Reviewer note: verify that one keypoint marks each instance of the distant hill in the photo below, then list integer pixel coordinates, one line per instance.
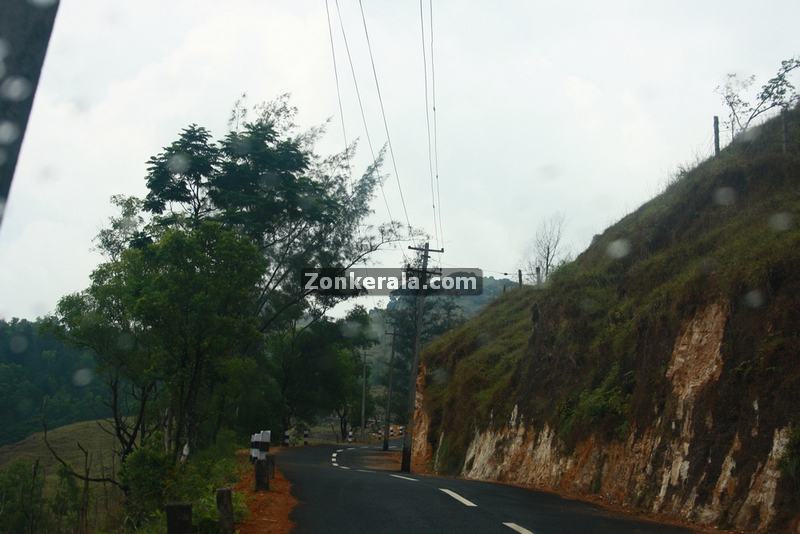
(35, 366)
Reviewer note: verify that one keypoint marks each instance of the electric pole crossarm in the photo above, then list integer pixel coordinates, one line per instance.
(426, 250)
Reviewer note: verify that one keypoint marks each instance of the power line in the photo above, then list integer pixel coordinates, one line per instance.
(428, 120)
(360, 104)
(383, 115)
(338, 93)
(435, 129)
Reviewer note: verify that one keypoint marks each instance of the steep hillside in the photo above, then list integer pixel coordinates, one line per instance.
(660, 370)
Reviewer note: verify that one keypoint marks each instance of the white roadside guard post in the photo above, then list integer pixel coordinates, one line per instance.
(261, 467)
(254, 447)
(350, 436)
(285, 438)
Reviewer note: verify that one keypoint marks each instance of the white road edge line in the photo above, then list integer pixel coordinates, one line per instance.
(458, 497)
(339, 450)
(515, 527)
(343, 467)
(404, 478)
(333, 455)
(364, 471)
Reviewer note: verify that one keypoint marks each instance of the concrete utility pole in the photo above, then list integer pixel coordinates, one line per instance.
(408, 436)
(364, 397)
(716, 135)
(388, 395)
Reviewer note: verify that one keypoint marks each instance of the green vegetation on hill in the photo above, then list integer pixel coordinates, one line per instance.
(587, 353)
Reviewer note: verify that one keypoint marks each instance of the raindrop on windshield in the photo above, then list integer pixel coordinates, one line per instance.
(754, 298)
(18, 344)
(178, 163)
(15, 88)
(724, 196)
(619, 248)
(82, 377)
(781, 221)
(42, 3)
(9, 132)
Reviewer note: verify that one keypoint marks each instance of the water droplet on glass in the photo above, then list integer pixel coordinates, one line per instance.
(15, 88)
(24, 407)
(42, 3)
(5, 48)
(268, 179)
(588, 305)
(548, 172)
(724, 196)
(18, 344)
(241, 146)
(82, 377)
(619, 248)
(178, 163)
(754, 298)
(707, 265)
(781, 221)
(9, 132)
(125, 341)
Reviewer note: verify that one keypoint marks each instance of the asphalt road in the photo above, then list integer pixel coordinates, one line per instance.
(340, 490)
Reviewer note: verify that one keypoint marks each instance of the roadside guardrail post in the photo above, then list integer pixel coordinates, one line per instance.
(225, 510)
(261, 475)
(179, 518)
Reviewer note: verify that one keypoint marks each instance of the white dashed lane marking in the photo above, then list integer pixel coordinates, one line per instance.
(515, 527)
(466, 502)
(459, 498)
(404, 478)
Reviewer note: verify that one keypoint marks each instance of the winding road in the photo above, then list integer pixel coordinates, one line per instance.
(340, 489)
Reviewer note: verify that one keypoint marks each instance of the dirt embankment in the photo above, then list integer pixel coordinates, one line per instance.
(268, 510)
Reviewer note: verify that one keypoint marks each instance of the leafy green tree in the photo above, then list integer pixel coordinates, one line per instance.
(178, 178)
(165, 321)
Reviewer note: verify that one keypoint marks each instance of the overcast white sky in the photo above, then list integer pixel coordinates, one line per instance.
(582, 108)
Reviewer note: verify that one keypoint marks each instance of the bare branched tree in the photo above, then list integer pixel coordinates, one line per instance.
(546, 250)
(778, 92)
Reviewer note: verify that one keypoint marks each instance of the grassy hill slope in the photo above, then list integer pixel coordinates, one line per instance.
(64, 440)
(588, 353)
